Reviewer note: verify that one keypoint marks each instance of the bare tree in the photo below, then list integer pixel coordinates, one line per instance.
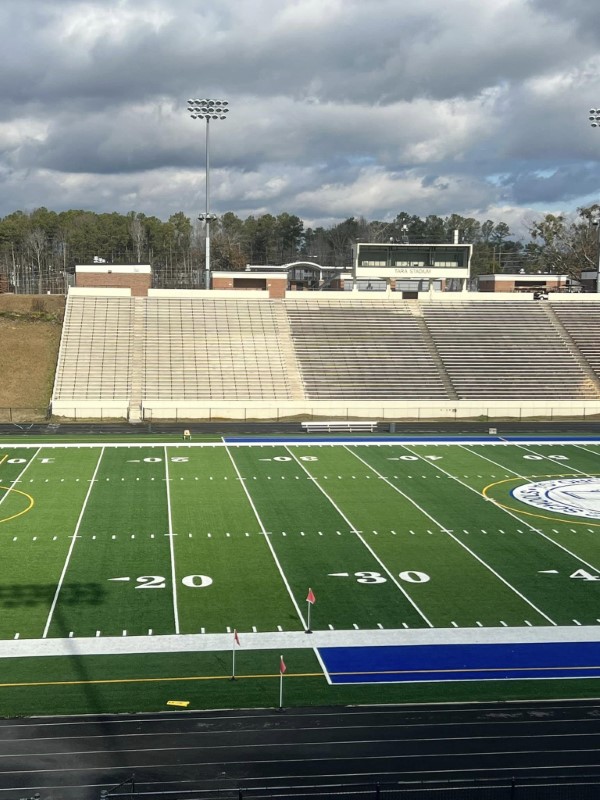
(137, 231)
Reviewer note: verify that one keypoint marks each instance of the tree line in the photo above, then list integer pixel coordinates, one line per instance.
(39, 249)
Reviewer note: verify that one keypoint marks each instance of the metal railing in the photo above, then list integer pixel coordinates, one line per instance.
(580, 787)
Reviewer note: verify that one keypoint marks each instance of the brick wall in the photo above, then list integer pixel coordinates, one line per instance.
(275, 286)
(138, 283)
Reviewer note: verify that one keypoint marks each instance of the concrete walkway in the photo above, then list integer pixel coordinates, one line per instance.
(290, 640)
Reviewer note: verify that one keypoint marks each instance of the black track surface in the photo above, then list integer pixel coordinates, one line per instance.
(452, 428)
(264, 753)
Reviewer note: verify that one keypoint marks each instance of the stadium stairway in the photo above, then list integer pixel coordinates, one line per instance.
(137, 359)
(563, 333)
(288, 351)
(416, 310)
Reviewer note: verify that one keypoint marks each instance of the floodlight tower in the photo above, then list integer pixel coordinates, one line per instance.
(208, 109)
(594, 119)
(596, 223)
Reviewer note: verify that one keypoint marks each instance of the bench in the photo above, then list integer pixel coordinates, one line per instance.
(334, 426)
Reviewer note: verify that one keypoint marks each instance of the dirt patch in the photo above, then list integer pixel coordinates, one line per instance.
(47, 307)
(28, 354)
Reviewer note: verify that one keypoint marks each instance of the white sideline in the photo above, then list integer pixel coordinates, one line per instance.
(291, 640)
(294, 439)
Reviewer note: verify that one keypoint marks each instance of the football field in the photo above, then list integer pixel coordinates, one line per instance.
(440, 543)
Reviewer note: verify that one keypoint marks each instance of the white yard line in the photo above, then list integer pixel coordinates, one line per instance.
(522, 446)
(268, 541)
(592, 452)
(20, 475)
(171, 544)
(298, 640)
(354, 530)
(71, 546)
(451, 535)
(532, 528)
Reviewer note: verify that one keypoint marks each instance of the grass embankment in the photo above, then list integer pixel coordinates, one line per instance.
(30, 328)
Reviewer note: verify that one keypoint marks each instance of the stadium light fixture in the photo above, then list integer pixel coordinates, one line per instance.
(596, 223)
(594, 117)
(208, 110)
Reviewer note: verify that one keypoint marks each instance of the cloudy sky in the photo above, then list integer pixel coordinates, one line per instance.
(339, 108)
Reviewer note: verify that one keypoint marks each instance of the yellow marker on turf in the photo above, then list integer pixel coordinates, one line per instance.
(25, 510)
(183, 703)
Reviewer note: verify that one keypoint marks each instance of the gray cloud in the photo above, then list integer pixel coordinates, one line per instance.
(338, 108)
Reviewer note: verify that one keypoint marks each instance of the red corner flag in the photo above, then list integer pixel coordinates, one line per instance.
(311, 597)
(236, 638)
(282, 666)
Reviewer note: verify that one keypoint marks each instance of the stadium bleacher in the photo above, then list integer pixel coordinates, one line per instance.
(362, 350)
(323, 348)
(504, 349)
(94, 360)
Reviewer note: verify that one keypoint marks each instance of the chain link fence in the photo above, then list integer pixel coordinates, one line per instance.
(23, 416)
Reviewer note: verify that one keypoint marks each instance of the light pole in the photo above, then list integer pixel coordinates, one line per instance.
(596, 225)
(594, 117)
(207, 110)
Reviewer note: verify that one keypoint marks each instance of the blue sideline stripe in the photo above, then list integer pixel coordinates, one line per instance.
(325, 438)
(461, 662)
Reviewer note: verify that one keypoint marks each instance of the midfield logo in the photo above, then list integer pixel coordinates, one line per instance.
(578, 497)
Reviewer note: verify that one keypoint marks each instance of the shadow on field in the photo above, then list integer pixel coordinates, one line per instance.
(92, 701)
(16, 595)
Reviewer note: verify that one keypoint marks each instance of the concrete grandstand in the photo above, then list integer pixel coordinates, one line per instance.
(239, 354)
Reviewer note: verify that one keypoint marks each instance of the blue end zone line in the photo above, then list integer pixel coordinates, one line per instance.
(461, 662)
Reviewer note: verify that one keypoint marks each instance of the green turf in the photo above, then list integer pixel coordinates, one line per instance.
(161, 538)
